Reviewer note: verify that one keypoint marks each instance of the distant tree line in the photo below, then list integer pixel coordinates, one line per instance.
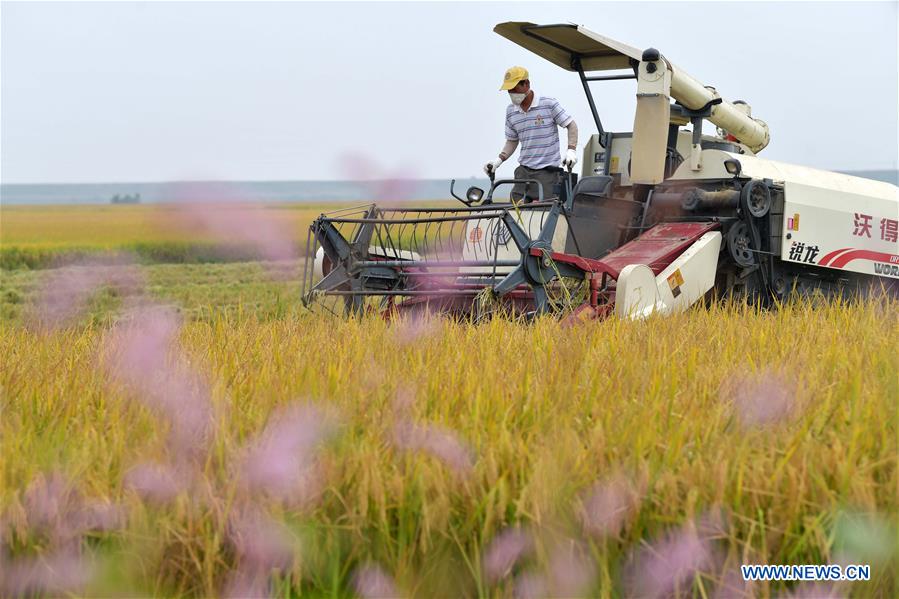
(126, 199)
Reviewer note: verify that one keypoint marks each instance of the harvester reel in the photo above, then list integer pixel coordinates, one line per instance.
(757, 198)
(739, 240)
(534, 270)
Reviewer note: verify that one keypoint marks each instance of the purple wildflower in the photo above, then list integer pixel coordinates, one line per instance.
(668, 566)
(404, 400)
(155, 483)
(138, 356)
(732, 586)
(571, 569)
(280, 461)
(48, 500)
(199, 210)
(608, 506)
(64, 292)
(100, 516)
(504, 551)
(247, 585)
(370, 581)
(531, 585)
(437, 441)
(263, 544)
(764, 399)
(59, 573)
(414, 328)
(386, 187)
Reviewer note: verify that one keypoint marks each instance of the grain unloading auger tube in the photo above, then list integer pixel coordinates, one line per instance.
(658, 217)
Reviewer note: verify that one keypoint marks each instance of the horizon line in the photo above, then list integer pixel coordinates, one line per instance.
(165, 181)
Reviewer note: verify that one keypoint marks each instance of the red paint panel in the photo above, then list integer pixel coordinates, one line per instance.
(658, 247)
(828, 257)
(585, 264)
(863, 255)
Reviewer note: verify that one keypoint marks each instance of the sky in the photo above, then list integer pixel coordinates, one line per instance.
(140, 92)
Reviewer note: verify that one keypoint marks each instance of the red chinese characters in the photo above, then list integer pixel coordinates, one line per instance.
(889, 229)
(862, 225)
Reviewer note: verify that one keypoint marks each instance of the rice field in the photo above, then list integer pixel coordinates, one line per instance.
(35, 237)
(113, 226)
(190, 431)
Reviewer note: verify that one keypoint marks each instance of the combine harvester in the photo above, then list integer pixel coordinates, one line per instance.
(659, 218)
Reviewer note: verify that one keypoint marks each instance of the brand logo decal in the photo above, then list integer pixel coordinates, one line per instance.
(501, 234)
(890, 270)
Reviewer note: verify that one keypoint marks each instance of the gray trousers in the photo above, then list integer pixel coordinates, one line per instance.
(547, 178)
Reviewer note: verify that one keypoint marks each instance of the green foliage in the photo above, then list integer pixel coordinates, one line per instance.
(162, 252)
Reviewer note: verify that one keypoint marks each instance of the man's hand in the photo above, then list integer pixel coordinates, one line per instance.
(570, 159)
(491, 167)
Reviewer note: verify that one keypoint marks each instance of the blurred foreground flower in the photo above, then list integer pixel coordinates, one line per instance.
(571, 569)
(415, 327)
(246, 585)
(386, 187)
(100, 516)
(370, 581)
(667, 567)
(262, 543)
(56, 517)
(531, 585)
(732, 586)
(207, 210)
(54, 510)
(155, 483)
(439, 442)
(762, 399)
(54, 574)
(263, 546)
(280, 462)
(504, 552)
(608, 505)
(63, 293)
(49, 503)
(141, 353)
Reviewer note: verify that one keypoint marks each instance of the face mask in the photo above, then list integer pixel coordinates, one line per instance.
(517, 99)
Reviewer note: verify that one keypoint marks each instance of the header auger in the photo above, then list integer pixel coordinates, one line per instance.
(658, 217)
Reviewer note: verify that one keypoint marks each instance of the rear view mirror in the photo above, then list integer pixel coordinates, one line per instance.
(474, 195)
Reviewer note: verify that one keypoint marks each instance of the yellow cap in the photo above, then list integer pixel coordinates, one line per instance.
(512, 77)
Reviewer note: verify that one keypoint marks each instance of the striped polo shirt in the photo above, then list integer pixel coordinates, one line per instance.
(537, 131)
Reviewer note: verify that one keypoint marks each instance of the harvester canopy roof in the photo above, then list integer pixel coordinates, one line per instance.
(566, 43)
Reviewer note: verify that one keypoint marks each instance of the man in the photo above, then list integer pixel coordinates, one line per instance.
(534, 121)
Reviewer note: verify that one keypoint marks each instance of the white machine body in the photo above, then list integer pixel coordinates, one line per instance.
(640, 293)
(830, 220)
(489, 239)
(840, 230)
